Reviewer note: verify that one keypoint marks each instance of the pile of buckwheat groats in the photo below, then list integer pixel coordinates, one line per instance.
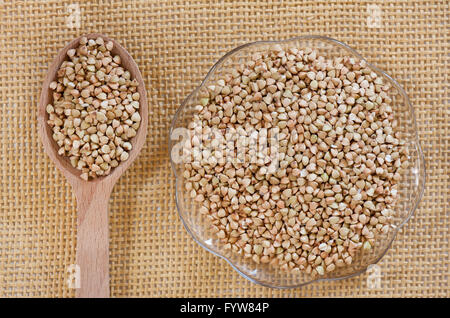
(95, 109)
(338, 159)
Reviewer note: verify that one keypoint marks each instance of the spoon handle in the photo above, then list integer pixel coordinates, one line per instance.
(93, 239)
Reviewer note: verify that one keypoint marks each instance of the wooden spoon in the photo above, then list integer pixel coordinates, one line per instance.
(92, 196)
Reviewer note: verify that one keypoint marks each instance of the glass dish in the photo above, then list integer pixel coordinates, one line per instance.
(410, 189)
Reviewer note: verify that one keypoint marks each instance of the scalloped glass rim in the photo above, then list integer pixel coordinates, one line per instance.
(420, 184)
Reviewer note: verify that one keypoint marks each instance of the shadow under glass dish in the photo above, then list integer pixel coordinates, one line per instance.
(410, 187)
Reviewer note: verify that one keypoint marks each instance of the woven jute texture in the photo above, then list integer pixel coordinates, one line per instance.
(175, 43)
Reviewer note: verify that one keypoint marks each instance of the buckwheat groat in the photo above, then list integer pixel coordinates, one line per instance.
(95, 110)
(331, 184)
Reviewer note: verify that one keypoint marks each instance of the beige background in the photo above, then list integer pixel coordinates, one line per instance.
(175, 44)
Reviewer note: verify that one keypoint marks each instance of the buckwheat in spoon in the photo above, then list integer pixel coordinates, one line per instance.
(92, 119)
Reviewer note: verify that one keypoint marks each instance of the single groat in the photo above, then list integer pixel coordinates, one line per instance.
(339, 152)
(95, 110)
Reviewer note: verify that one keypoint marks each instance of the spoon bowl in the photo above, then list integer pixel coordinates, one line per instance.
(93, 195)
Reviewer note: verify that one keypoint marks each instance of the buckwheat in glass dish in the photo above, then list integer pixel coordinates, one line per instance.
(321, 202)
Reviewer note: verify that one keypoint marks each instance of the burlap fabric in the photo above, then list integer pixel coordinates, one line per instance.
(175, 43)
